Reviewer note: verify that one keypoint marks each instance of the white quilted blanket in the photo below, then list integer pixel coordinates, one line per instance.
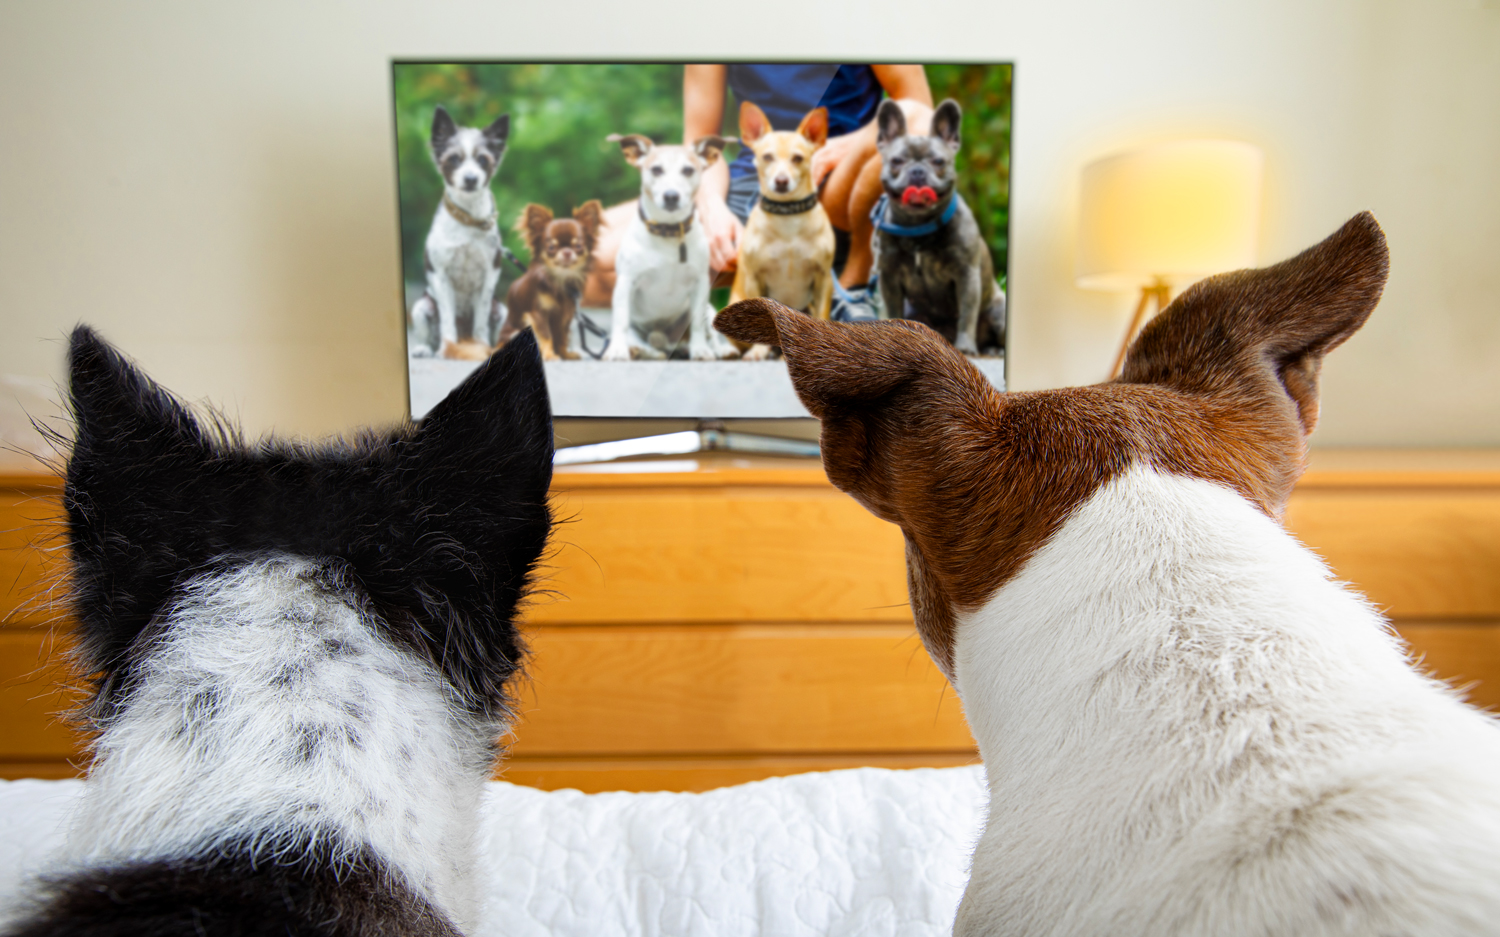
(867, 852)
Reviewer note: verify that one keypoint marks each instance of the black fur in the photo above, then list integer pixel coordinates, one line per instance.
(441, 525)
(230, 894)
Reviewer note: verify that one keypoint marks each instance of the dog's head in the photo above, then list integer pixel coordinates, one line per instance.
(917, 172)
(1221, 386)
(433, 529)
(563, 245)
(468, 156)
(670, 175)
(783, 158)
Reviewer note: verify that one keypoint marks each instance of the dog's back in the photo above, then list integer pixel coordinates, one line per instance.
(300, 657)
(1187, 727)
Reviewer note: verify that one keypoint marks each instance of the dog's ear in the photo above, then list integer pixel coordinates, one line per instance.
(635, 146)
(443, 129)
(754, 123)
(1267, 329)
(814, 126)
(590, 217)
(709, 148)
(946, 123)
(492, 431)
(494, 428)
(891, 123)
(135, 448)
(882, 391)
(497, 133)
(532, 225)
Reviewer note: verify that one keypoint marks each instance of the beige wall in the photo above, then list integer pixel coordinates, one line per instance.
(212, 184)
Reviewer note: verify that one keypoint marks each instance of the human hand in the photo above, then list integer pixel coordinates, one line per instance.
(723, 230)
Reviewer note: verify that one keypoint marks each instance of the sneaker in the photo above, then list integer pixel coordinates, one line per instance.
(854, 305)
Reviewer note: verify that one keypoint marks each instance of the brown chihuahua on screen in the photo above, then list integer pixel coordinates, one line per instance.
(786, 253)
(546, 298)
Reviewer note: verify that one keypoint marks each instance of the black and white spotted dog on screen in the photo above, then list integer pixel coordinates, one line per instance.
(300, 655)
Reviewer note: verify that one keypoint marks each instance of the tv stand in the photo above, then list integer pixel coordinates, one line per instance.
(710, 436)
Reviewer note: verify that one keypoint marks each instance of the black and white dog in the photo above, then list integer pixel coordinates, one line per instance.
(300, 656)
(456, 317)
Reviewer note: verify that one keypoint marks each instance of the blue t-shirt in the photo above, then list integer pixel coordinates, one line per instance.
(787, 92)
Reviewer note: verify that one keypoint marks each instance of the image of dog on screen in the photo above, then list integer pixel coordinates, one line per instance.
(787, 251)
(456, 317)
(546, 298)
(934, 266)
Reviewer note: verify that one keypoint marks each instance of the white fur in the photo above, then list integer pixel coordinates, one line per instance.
(1188, 728)
(400, 766)
(657, 292)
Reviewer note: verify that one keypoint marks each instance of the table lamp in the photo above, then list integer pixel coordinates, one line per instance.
(1167, 214)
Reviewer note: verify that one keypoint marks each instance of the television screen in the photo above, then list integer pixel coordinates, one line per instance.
(612, 208)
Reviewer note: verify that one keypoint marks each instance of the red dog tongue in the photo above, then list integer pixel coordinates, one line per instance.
(918, 198)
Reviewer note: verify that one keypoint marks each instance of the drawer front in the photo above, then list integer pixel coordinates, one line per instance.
(34, 681)
(717, 555)
(1417, 554)
(736, 689)
(32, 557)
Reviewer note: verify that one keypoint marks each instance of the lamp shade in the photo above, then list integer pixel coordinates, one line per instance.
(1175, 212)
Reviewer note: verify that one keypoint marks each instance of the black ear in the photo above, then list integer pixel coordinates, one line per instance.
(890, 121)
(497, 133)
(443, 130)
(132, 442)
(946, 121)
(1267, 328)
(498, 422)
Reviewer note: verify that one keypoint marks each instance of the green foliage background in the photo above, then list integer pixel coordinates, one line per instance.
(561, 113)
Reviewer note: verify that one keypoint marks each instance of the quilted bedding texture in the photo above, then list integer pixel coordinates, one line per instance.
(868, 852)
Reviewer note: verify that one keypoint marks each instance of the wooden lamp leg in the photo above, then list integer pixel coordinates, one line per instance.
(1162, 294)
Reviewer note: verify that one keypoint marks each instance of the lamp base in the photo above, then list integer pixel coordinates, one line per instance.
(1157, 290)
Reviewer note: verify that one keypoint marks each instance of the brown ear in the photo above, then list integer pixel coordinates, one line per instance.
(635, 146)
(880, 389)
(710, 148)
(814, 126)
(590, 216)
(532, 225)
(754, 123)
(1267, 329)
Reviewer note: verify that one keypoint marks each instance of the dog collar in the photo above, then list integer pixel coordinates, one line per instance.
(789, 208)
(463, 217)
(882, 212)
(677, 229)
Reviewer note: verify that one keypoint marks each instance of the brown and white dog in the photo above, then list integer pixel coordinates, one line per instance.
(1187, 726)
(786, 253)
(546, 298)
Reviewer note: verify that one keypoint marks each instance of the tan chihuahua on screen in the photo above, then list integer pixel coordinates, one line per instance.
(787, 250)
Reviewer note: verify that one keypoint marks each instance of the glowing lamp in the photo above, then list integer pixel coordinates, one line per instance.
(1167, 215)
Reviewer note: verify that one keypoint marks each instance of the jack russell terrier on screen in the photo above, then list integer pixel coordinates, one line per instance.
(1188, 726)
(662, 276)
(458, 317)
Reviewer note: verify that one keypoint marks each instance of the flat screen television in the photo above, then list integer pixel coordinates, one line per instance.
(613, 206)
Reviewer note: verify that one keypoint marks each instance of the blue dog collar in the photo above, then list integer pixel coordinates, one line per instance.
(881, 214)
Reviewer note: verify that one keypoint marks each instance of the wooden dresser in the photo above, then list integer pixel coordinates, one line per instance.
(712, 621)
